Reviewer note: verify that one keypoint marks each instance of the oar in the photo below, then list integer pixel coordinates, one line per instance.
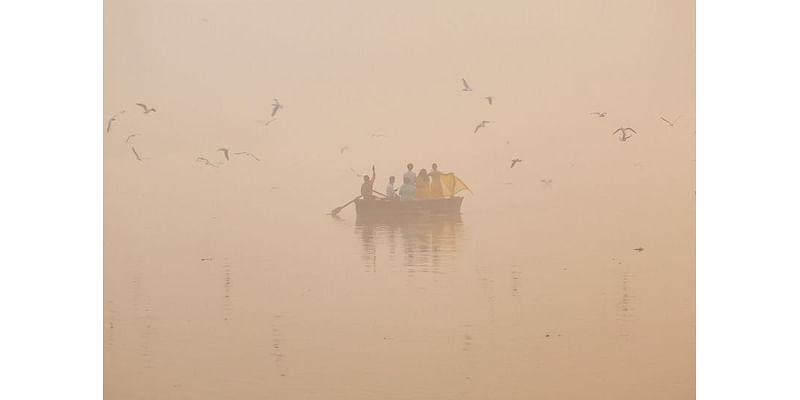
(375, 191)
(340, 208)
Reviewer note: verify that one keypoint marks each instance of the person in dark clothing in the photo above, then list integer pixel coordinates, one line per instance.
(366, 187)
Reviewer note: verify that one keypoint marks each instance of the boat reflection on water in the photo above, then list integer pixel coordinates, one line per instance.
(419, 243)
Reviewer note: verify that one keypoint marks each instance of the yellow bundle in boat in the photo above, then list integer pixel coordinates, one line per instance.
(451, 185)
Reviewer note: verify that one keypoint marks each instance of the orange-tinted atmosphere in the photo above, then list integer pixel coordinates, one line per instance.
(568, 276)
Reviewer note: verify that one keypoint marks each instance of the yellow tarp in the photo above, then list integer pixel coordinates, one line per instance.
(452, 185)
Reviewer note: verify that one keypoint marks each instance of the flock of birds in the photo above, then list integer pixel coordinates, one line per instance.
(226, 153)
(625, 136)
(626, 133)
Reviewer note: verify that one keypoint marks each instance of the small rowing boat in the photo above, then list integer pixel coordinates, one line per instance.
(393, 207)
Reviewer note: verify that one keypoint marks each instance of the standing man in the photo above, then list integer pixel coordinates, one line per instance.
(436, 182)
(412, 177)
(366, 187)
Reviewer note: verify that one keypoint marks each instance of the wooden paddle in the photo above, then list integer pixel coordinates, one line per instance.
(340, 208)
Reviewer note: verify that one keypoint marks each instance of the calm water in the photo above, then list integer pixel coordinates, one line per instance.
(226, 286)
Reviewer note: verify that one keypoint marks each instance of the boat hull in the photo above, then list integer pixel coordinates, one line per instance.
(396, 207)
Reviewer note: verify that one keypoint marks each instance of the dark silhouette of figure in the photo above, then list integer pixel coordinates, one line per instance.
(436, 182)
(366, 187)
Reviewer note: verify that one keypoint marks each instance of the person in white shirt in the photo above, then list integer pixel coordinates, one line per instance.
(412, 177)
(408, 191)
(391, 191)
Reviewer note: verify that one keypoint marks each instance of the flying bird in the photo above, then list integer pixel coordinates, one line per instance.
(547, 182)
(269, 122)
(206, 259)
(466, 86)
(248, 154)
(489, 99)
(343, 149)
(515, 161)
(624, 138)
(206, 162)
(225, 152)
(623, 130)
(378, 135)
(639, 249)
(599, 114)
(481, 125)
(145, 108)
(276, 105)
(112, 119)
(131, 136)
(670, 123)
(136, 154)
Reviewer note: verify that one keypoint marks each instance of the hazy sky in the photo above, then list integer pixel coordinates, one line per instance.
(346, 70)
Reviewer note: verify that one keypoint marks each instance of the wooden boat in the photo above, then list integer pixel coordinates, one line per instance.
(396, 207)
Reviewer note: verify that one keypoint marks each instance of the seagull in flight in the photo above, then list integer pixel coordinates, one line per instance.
(248, 154)
(515, 161)
(343, 149)
(145, 108)
(112, 119)
(489, 99)
(639, 249)
(670, 123)
(136, 154)
(466, 86)
(276, 105)
(225, 152)
(206, 162)
(623, 130)
(547, 182)
(481, 125)
(131, 136)
(599, 114)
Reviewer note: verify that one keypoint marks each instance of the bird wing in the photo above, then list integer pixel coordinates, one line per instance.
(144, 107)
(618, 130)
(479, 126)
(629, 129)
(136, 154)
(275, 109)
(108, 126)
(246, 153)
(665, 120)
(464, 81)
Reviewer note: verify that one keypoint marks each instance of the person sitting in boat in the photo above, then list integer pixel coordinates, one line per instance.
(408, 191)
(391, 191)
(436, 182)
(366, 187)
(423, 185)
